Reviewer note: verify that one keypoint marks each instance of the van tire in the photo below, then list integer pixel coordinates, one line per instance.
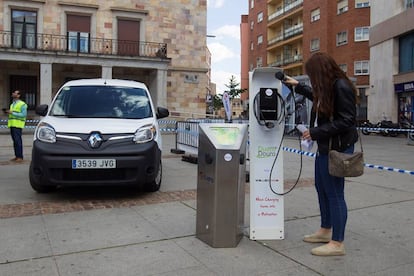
(155, 185)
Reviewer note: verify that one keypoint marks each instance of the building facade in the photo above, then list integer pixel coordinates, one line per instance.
(295, 29)
(391, 93)
(341, 29)
(285, 35)
(44, 43)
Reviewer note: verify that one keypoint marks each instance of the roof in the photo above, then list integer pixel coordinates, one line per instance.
(110, 82)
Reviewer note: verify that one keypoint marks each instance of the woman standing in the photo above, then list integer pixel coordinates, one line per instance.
(333, 121)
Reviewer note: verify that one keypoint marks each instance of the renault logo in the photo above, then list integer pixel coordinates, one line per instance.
(95, 140)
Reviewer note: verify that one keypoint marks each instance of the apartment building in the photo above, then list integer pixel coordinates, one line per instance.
(391, 93)
(285, 35)
(295, 29)
(44, 43)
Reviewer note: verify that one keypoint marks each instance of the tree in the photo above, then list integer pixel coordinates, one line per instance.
(233, 92)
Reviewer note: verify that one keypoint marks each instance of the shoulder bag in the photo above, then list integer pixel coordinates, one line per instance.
(346, 164)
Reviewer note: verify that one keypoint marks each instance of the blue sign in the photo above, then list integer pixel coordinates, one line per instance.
(404, 87)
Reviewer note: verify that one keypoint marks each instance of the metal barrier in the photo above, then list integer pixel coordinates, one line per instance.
(30, 124)
(166, 126)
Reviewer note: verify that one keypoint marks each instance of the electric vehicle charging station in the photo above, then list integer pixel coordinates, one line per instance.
(220, 183)
(266, 129)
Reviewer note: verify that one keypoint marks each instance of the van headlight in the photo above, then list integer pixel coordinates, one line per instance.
(145, 134)
(46, 133)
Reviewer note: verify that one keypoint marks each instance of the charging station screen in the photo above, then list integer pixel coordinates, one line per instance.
(225, 135)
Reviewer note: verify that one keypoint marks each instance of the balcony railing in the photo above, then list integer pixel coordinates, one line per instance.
(293, 31)
(81, 45)
(287, 60)
(286, 9)
(287, 33)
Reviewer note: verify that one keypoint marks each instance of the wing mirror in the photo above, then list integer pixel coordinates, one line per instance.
(162, 112)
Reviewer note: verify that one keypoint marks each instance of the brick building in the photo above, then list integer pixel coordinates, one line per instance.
(292, 30)
(163, 44)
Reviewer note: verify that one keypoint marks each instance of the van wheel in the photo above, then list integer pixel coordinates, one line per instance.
(36, 184)
(155, 185)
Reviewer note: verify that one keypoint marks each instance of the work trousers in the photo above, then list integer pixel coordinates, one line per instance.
(332, 205)
(16, 134)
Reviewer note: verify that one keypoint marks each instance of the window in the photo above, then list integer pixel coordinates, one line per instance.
(343, 67)
(342, 6)
(259, 17)
(409, 3)
(341, 38)
(361, 33)
(315, 44)
(251, 4)
(251, 25)
(78, 27)
(361, 4)
(260, 39)
(406, 55)
(128, 37)
(315, 15)
(259, 62)
(24, 29)
(361, 67)
(251, 46)
(78, 42)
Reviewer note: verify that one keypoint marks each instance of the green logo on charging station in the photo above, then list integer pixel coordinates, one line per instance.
(266, 152)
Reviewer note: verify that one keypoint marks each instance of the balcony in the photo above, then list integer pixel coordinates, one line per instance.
(291, 59)
(287, 34)
(293, 31)
(286, 9)
(81, 45)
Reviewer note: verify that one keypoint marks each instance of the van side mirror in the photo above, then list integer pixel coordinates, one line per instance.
(41, 109)
(162, 112)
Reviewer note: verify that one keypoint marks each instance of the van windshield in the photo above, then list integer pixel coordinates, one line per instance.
(102, 102)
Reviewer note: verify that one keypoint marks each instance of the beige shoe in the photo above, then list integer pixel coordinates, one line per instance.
(18, 160)
(329, 250)
(314, 238)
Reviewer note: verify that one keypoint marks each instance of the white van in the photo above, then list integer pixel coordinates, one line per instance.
(98, 132)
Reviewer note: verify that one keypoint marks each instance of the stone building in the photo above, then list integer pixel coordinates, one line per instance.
(44, 43)
(391, 93)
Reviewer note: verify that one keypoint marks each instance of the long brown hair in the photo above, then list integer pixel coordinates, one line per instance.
(323, 71)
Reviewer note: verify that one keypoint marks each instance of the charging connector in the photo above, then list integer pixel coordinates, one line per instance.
(269, 107)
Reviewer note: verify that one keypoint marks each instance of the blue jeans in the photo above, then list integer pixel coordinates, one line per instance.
(16, 134)
(332, 205)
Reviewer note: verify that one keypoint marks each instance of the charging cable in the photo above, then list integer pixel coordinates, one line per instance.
(278, 152)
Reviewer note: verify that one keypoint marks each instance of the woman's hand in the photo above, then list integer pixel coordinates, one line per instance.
(306, 135)
(291, 81)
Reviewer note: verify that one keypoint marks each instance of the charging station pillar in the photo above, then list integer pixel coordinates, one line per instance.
(220, 184)
(266, 156)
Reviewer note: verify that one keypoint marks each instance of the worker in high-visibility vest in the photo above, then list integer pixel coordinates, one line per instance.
(17, 119)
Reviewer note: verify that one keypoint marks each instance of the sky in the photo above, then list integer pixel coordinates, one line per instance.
(223, 22)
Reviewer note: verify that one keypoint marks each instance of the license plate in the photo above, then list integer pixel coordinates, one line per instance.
(93, 163)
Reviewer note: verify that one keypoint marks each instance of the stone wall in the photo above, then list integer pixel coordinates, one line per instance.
(181, 24)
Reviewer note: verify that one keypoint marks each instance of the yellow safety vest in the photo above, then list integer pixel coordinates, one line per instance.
(14, 121)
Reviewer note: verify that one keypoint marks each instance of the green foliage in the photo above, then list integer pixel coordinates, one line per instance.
(233, 92)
